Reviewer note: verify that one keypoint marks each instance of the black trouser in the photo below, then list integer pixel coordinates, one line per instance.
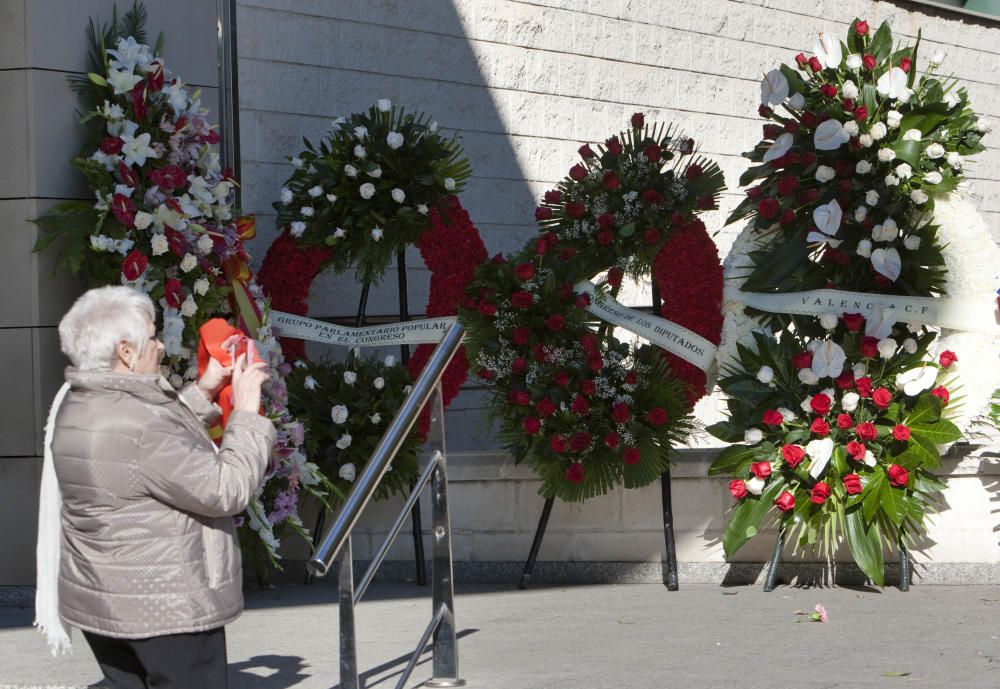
(171, 661)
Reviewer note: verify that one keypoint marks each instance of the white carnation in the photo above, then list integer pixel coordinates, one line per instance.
(390, 361)
(307, 211)
(866, 140)
(189, 307)
(912, 135)
(350, 171)
(854, 61)
(871, 197)
(933, 177)
(863, 167)
(886, 348)
(891, 181)
(864, 248)
(755, 486)
(851, 127)
(904, 171)
(205, 245)
(384, 105)
(849, 90)
(375, 418)
(860, 213)
(359, 151)
(310, 384)
(910, 345)
(849, 402)
(344, 441)
(379, 383)
(829, 320)
(955, 160)
(449, 184)
(160, 244)
(377, 234)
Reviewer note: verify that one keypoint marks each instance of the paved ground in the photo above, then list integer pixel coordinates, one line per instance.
(599, 637)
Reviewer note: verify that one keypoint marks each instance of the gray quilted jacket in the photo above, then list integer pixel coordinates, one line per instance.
(148, 541)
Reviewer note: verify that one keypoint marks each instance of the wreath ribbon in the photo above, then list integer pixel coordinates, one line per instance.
(426, 331)
(969, 315)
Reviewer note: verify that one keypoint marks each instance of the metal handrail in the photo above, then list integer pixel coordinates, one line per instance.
(392, 440)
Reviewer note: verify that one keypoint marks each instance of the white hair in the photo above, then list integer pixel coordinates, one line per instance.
(90, 331)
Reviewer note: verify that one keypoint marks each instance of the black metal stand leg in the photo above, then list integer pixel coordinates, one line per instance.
(536, 544)
(404, 355)
(772, 566)
(670, 564)
(904, 566)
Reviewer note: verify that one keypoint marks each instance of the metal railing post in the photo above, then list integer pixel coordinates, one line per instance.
(348, 637)
(445, 661)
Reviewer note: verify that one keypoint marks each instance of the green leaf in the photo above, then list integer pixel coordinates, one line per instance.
(891, 500)
(871, 495)
(732, 460)
(749, 513)
(726, 431)
(866, 546)
(939, 432)
(908, 150)
(881, 43)
(782, 260)
(627, 230)
(927, 410)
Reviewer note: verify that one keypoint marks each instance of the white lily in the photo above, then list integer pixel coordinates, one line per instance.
(129, 54)
(773, 88)
(827, 219)
(830, 135)
(828, 51)
(828, 360)
(887, 262)
(916, 380)
(137, 149)
(122, 81)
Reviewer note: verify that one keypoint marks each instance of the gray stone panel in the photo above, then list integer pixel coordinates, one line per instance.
(19, 511)
(12, 47)
(17, 409)
(14, 133)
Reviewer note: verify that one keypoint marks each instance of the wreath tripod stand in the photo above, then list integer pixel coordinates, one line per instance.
(670, 562)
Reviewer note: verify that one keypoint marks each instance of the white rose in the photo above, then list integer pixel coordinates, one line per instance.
(297, 162)
(377, 234)
(205, 245)
(339, 232)
(332, 198)
(310, 384)
(933, 177)
(851, 127)
(886, 155)
(189, 307)
(828, 320)
(367, 190)
(422, 209)
(449, 184)
(379, 383)
(765, 374)
(390, 361)
(433, 126)
(912, 135)
(891, 181)
(937, 58)
(860, 213)
(807, 376)
(864, 248)
(384, 105)
(398, 195)
(824, 173)
(189, 263)
(297, 228)
(859, 370)
(360, 132)
(912, 242)
(918, 196)
(755, 486)
(359, 151)
(863, 167)
(394, 140)
(375, 418)
(201, 286)
(300, 363)
(806, 404)
(910, 345)
(893, 118)
(786, 414)
(160, 244)
(347, 471)
(338, 413)
(316, 191)
(890, 230)
(753, 435)
(904, 171)
(849, 402)
(934, 151)
(886, 348)
(344, 441)
(350, 171)
(878, 131)
(871, 197)
(350, 377)
(869, 459)
(286, 195)
(376, 173)
(984, 126)
(854, 61)
(866, 140)
(849, 90)
(955, 160)
(797, 101)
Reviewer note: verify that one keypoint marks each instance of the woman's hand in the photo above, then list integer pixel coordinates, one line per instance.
(213, 379)
(247, 379)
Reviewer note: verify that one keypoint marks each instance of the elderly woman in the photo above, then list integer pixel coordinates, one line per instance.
(148, 563)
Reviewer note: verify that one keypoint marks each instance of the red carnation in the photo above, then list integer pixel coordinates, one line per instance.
(173, 293)
(631, 455)
(637, 120)
(738, 488)
(555, 322)
(657, 416)
(845, 381)
(620, 412)
(768, 208)
(545, 407)
(821, 403)
(809, 119)
(947, 358)
(942, 393)
(522, 300)
(605, 237)
(543, 213)
(585, 151)
(486, 374)
(901, 432)
(785, 501)
(793, 455)
(553, 196)
(866, 431)
(882, 398)
(521, 335)
(134, 266)
(861, 27)
(802, 360)
(820, 492)
(898, 476)
(574, 474)
(578, 172)
(606, 221)
(819, 427)
(580, 406)
(575, 210)
(631, 378)
(609, 180)
(582, 300)
(524, 271)
(773, 418)
(760, 469)
(852, 483)
(532, 425)
(580, 441)
(589, 342)
(868, 61)
(652, 153)
(558, 443)
(787, 184)
(520, 397)
(595, 362)
(787, 217)
(856, 450)
(612, 440)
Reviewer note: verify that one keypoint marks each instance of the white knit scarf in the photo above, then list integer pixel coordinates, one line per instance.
(47, 619)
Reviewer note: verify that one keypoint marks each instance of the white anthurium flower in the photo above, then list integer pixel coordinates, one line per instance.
(379, 383)
(755, 486)
(934, 151)
(904, 171)
(828, 360)
(337, 124)
(830, 135)
(350, 171)
(137, 150)
(912, 242)
(886, 348)
(887, 262)
(869, 459)
(854, 61)
(829, 320)
(849, 90)
(350, 377)
(375, 418)
(786, 414)
(765, 374)
(919, 196)
(892, 85)
(827, 219)
(849, 402)
(390, 361)
(310, 384)
(807, 377)
(160, 244)
(377, 234)
(367, 190)
(773, 88)
(828, 51)
(796, 101)
(952, 99)
(912, 135)
(201, 286)
(394, 140)
(880, 323)
(346, 471)
(933, 177)
(286, 195)
(824, 173)
(910, 345)
(338, 413)
(852, 128)
(384, 105)
(360, 132)
(316, 191)
(916, 380)
(297, 228)
(864, 248)
(753, 435)
(122, 81)
(878, 131)
(806, 404)
(819, 451)
(398, 195)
